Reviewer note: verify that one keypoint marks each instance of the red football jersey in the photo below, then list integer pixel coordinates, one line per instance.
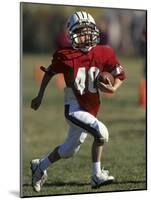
(80, 70)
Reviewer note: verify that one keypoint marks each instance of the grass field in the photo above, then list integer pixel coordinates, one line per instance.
(124, 155)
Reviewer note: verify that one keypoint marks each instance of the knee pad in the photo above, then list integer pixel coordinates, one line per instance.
(67, 152)
(104, 134)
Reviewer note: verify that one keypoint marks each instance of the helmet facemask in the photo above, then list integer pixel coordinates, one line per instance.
(84, 36)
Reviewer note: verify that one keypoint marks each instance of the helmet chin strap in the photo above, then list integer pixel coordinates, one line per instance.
(86, 49)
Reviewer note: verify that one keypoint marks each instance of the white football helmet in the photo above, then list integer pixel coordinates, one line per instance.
(82, 31)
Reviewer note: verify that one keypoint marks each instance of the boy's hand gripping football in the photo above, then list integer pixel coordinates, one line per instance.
(106, 87)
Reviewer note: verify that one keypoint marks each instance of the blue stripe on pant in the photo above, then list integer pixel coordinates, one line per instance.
(93, 131)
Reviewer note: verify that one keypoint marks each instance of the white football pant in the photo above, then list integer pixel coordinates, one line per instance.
(80, 123)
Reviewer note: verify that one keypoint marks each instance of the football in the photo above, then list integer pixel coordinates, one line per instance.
(104, 76)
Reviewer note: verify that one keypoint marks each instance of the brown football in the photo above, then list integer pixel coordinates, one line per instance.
(103, 76)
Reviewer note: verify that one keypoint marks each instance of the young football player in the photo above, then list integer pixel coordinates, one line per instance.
(80, 64)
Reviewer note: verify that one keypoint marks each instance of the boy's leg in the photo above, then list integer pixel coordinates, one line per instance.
(87, 122)
(76, 136)
(99, 131)
(96, 152)
(66, 150)
(97, 149)
(54, 156)
(49, 159)
(99, 175)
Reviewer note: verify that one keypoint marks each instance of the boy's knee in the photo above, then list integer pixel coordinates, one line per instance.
(104, 134)
(99, 141)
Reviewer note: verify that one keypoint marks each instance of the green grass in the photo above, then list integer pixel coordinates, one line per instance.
(124, 155)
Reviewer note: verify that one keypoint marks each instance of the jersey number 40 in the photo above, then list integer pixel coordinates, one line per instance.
(86, 79)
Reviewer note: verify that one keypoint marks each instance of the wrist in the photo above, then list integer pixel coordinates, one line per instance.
(40, 95)
(114, 89)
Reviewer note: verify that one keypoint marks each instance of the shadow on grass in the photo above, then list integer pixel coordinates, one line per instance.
(60, 184)
(130, 181)
(78, 184)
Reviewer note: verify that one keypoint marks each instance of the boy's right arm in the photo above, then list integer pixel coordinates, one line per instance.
(35, 103)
